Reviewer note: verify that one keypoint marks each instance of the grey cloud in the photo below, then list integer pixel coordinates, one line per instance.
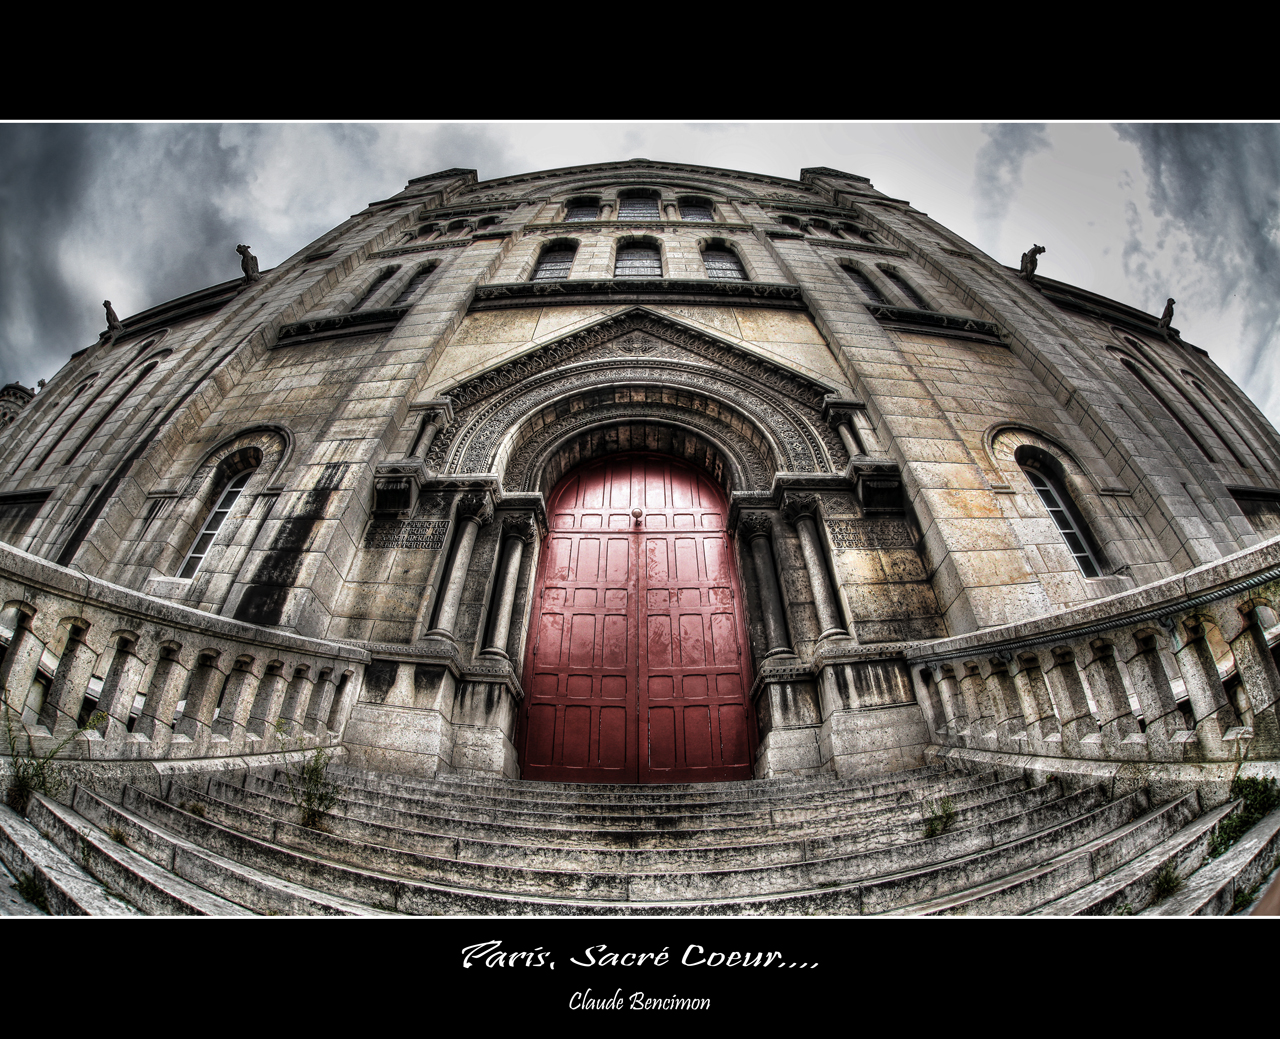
(998, 168)
(1220, 184)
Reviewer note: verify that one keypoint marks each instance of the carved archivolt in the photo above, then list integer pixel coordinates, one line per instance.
(638, 367)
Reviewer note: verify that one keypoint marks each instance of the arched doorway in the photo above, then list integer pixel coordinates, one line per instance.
(637, 668)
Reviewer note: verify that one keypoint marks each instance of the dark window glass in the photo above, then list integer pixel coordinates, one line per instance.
(905, 287)
(198, 551)
(637, 209)
(866, 286)
(554, 265)
(1053, 501)
(696, 210)
(582, 210)
(722, 265)
(638, 261)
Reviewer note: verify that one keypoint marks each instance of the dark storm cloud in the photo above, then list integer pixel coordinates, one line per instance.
(43, 172)
(143, 213)
(1220, 184)
(998, 167)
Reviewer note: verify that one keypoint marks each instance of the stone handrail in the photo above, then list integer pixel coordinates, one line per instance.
(172, 682)
(1178, 670)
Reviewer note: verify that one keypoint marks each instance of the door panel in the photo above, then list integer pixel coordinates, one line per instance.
(636, 671)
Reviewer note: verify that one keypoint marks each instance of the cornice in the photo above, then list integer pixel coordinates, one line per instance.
(637, 290)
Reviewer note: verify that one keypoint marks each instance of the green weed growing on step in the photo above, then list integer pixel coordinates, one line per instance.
(1166, 883)
(1124, 909)
(1243, 898)
(940, 817)
(193, 807)
(30, 889)
(118, 835)
(309, 784)
(1260, 796)
(32, 772)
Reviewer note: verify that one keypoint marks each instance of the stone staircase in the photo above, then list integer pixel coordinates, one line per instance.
(228, 844)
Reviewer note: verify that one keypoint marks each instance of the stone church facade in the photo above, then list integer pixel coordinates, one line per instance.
(644, 473)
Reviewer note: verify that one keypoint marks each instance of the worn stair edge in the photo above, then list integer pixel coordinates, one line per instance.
(1211, 890)
(1027, 889)
(68, 890)
(838, 835)
(1128, 890)
(248, 890)
(147, 886)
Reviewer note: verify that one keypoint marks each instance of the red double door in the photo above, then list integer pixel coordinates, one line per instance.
(637, 669)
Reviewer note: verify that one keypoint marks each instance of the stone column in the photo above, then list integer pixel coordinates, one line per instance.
(474, 511)
(321, 701)
(120, 687)
(952, 702)
(977, 703)
(1120, 731)
(268, 699)
(61, 710)
(758, 530)
(21, 659)
(1033, 694)
(1155, 694)
(1261, 680)
(1000, 690)
(203, 687)
(1080, 735)
(343, 698)
(167, 682)
(802, 511)
(517, 531)
(296, 700)
(433, 420)
(237, 701)
(1213, 711)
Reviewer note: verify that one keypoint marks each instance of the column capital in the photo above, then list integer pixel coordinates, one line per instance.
(754, 525)
(477, 507)
(795, 506)
(520, 526)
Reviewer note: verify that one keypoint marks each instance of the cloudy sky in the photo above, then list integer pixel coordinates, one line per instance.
(141, 213)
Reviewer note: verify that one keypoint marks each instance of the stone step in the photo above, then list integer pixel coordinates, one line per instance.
(154, 890)
(791, 842)
(1026, 889)
(1211, 890)
(654, 817)
(491, 846)
(254, 832)
(871, 819)
(1129, 889)
(68, 890)
(242, 890)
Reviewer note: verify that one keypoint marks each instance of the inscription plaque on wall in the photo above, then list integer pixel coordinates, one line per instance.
(879, 533)
(416, 534)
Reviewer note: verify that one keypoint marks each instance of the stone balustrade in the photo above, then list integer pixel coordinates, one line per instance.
(1182, 670)
(171, 682)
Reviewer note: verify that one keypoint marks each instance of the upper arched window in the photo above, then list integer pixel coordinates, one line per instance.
(383, 277)
(696, 209)
(555, 263)
(866, 286)
(1071, 529)
(637, 260)
(414, 284)
(907, 289)
(722, 265)
(211, 525)
(638, 207)
(582, 209)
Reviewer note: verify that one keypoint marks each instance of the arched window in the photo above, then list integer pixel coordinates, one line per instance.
(637, 260)
(1136, 372)
(866, 286)
(696, 209)
(110, 410)
(555, 263)
(582, 209)
(722, 265)
(907, 289)
(638, 207)
(1055, 500)
(415, 283)
(220, 511)
(383, 277)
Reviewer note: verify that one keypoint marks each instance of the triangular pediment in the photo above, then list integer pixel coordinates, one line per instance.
(639, 335)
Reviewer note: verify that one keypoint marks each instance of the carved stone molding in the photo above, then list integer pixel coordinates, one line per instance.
(755, 525)
(794, 506)
(475, 506)
(522, 527)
